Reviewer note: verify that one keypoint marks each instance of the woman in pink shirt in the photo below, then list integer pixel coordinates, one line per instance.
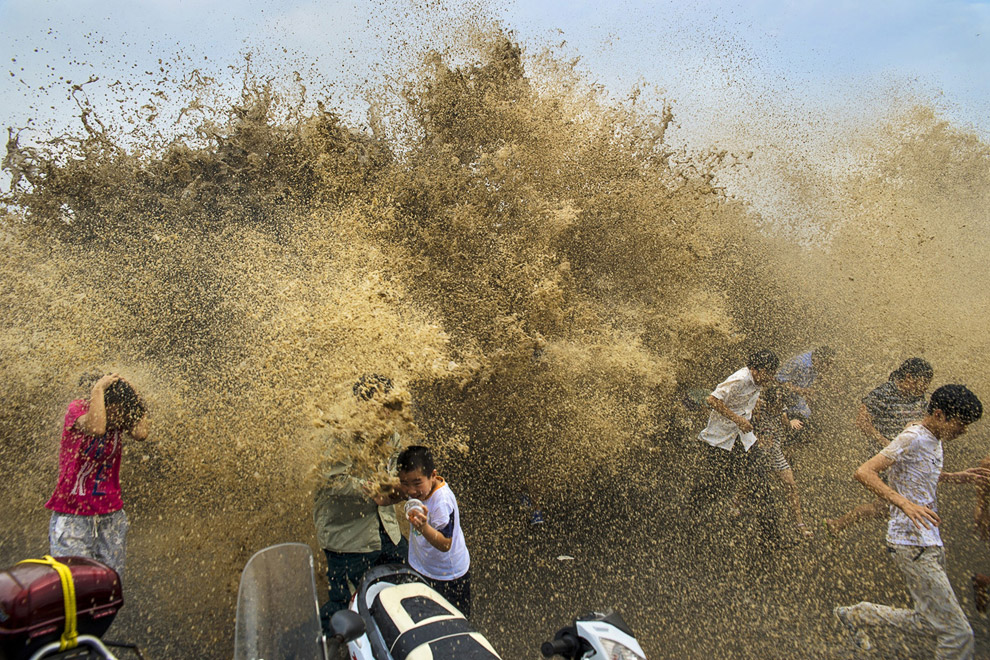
(88, 518)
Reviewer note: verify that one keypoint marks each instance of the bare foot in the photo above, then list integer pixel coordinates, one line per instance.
(805, 533)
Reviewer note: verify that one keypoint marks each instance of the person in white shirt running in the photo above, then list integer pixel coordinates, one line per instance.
(914, 460)
(727, 441)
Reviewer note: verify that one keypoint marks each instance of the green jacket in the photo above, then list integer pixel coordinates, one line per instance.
(346, 518)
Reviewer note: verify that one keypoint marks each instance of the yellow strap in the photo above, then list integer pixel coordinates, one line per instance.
(69, 636)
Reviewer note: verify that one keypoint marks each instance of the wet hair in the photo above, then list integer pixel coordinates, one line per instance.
(416, 457)
(956, 402)
(123, 397)
(913, 367)
(765, 359)
(368, 384)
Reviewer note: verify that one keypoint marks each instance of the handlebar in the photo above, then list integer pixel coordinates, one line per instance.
(565, 644)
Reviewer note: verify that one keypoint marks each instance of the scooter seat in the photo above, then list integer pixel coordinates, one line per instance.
(417, 623)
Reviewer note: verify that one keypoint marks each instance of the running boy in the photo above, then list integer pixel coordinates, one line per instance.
(770, 423)
(436, 542)
(729, 461)
(882, 415)
(801, 376)
(914, 459)
(88, 518)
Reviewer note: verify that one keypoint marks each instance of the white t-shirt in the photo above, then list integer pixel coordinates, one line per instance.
(917, 457)
(444, 517)
(739, 393)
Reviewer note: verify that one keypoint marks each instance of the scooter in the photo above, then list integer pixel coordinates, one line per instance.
(595, 636)
(405, 619)
(403, 615)
(394, 615)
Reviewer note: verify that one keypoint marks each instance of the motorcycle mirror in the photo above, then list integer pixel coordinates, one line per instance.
(347, 625)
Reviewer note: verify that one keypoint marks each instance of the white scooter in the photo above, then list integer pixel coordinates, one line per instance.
(394, 615)
(595, 636)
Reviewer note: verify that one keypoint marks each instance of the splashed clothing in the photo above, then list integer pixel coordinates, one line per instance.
(444, 517)
(891, 410)
(101, 537)
(728, 463)
(798, 371)
(347, 568)
(88, 469)
(724, 470)
(918, 553)
(346, 519)
(87, 509)
(936, 609)
(739, 392)
(768, 423)
(917, 457)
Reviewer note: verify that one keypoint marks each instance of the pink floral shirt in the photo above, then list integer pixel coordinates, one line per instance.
(88, 469)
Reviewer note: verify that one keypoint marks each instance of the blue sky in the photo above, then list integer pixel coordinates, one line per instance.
(721, 61)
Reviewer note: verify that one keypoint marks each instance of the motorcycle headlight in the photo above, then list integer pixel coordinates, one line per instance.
(616, 651)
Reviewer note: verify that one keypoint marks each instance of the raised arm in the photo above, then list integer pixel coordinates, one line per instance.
(94, 421)
(420, 522)
(140, 430)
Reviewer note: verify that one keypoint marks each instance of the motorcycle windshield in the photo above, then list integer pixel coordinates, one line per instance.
(277, 612)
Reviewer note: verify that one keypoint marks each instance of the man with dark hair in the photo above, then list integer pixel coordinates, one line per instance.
(914, 460)
(88, 516)
(728, 438)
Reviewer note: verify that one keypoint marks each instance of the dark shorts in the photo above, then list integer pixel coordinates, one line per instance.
(456, 591)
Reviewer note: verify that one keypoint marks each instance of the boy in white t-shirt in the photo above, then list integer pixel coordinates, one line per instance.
(914, 460)
(436, 542)
(727, 442)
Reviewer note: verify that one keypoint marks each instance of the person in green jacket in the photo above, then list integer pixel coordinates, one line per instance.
(355, 521)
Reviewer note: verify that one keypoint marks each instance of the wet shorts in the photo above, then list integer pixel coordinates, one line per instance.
(102, 538)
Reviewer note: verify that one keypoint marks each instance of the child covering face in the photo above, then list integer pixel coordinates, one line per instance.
(88, 516)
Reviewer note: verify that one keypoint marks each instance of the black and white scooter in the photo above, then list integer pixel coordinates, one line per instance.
(394, 615)
(405, 619)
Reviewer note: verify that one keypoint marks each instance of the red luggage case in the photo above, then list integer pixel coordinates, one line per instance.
(32, 612)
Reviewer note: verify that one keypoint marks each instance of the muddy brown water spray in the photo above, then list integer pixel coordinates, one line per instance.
(544, 277)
